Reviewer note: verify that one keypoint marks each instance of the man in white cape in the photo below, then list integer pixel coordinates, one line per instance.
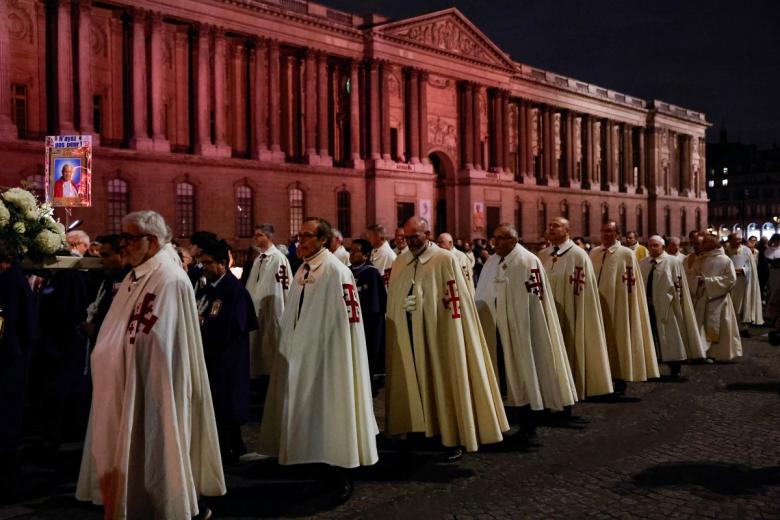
(151, 446)
(319, 407)
(268, 284)
(624, 309)
(445, 242)
(517, 312)
(336, 247)
(382, 256)
(439, 380)
(746, 294)
(675, 331)
(575, 291)
(711, 277)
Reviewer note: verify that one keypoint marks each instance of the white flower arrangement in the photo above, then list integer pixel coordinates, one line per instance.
(28, 227)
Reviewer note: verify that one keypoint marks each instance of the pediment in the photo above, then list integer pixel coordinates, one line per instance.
(447, 32)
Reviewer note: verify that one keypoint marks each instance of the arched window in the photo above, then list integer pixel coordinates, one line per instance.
(623, 219)
(604, 213)
(640, 222)
(541, 212)
(586, 219)
(296, 209)
(683, 222)
(185, 209)
(244, 214)
(565, 209)
(667, 221)
(118, 200)
(343, 210)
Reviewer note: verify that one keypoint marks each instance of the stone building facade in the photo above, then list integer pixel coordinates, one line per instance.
(223, 113)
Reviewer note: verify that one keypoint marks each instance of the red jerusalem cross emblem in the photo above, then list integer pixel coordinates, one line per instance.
(534, 283)
(451, 298)
(143, 317)
(351, 302)
(578, 280)
(282, 277)
(628, 278)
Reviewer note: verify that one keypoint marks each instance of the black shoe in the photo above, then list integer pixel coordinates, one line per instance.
(205, 514)
(620, 387)
(744, 334)
(343, 491)
(454, 454)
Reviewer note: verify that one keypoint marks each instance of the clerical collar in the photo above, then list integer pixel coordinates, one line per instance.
(214, 284)
(147, 267)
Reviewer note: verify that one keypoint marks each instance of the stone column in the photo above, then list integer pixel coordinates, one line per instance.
(522, 140)
(64, 60)
(529, 144)
(274, 108)
(203, 143)
(159, 142)
(477, 128)
(587, 152)
(220, 89)
(551, 164)
(628, 157)
(385, 118)
(567, 120)
(608, 166)
(373, 81)
(423, 119)
(354, 115)
(8, 130)
(258, 56)
(86, 124)
(310, 106)
(467, 103)
(323, 127)
(140, 139)
(640, 183)
(505, 131)
(413, 116)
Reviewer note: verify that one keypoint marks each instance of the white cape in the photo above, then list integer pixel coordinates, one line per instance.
(151, 446)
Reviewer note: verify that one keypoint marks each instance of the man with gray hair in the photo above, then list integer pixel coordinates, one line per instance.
(445, 242)
(673, 248)
(268, 285)
(78, 241)
(672, 320)
(336, 247)
(151, 447)
(382, 256)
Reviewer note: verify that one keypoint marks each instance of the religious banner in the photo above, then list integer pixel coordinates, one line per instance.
(478, 217)
(68, 176)
(426, 211)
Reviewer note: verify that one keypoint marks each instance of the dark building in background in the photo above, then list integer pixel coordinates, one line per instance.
(743, 185)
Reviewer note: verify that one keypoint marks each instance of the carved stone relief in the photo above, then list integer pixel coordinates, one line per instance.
(438, 82)
(20, 25)
(534, 113)
(577, 139)
(557, 134)
(442, 132)
(446, 35)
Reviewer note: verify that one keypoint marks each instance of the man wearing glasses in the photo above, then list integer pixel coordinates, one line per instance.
(151, 447)
(319, 407)
(439, 377)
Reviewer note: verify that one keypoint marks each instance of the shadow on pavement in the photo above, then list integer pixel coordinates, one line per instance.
(724, 479)
(772, 387)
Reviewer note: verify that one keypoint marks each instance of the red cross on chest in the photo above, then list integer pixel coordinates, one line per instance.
(534, 283)
(143, 317)
(629, 279)
(351, 303)
(452, 299)
(282, 277)
(578, 280)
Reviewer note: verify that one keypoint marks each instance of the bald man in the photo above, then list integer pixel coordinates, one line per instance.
(624, 309)
(675, 331)
(575, 290)
(445, 242)
(440, 380)
(632, 242)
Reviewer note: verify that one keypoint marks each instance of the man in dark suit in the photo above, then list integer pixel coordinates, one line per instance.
(227, 316)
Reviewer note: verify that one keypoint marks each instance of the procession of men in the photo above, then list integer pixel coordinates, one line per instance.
(176, 356)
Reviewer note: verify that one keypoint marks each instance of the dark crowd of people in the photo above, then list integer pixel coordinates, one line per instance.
(155, 359)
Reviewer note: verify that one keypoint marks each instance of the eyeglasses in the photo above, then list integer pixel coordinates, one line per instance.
(502, 238)
(305, 236)
(127, 237)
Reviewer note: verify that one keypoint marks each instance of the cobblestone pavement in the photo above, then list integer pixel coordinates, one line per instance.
(705, 448)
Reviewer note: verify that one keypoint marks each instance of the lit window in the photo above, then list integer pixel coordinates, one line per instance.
(724, 182)
(296, 210)
(118, 204)
(185, 209)
(244, 226)
(725, 171)
(710, 184)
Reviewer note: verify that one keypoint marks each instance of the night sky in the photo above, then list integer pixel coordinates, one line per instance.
(716, 56)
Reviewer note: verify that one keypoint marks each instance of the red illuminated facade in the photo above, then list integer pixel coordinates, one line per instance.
(224, 113)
